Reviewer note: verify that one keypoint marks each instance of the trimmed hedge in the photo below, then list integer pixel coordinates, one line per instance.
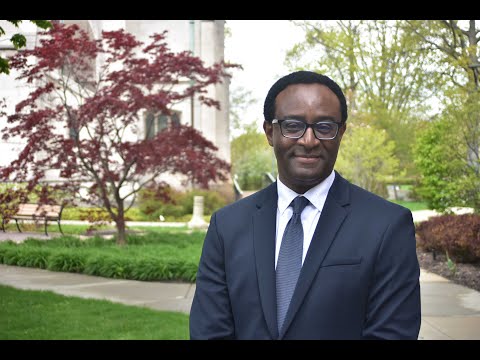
(457, 234)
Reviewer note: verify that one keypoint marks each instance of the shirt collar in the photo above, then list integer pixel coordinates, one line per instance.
(316, 195)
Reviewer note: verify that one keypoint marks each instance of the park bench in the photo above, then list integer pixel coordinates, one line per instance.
(37, 212)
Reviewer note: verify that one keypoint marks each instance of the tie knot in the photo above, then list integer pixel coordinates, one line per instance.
(299, 204)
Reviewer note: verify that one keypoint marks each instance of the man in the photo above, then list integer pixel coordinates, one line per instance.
(311, 256)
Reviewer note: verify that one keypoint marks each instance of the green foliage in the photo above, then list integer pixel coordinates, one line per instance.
(36, 258)
(52, 228)
(155, 256)
(80, 213)
(156, 201)
(252, 157)
(412, 205)
(68, 261)
(134, 214)
(175, 205)
(449, 177)
(366, 158)
(110, 266)
(19, 40)
(43, 315)
(452, 46)
(8, 254)
(451, 265)
(43, 24)
(438, 165)
(4, 68)
(240, 100)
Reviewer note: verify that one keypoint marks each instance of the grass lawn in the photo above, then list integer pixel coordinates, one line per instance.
(52, 229)
(32, 315)
(412, 205)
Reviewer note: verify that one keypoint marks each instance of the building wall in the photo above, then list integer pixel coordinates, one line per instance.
(13, 91)
(204, 37)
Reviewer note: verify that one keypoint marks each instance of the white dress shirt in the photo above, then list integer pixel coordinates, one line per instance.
(310, 215)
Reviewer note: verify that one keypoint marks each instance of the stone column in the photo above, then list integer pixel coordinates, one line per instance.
(197, 221)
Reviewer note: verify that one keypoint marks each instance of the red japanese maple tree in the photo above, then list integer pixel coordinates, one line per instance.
(87, 101)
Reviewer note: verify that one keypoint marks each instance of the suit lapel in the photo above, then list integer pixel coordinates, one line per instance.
(331, 218)
(264, 230)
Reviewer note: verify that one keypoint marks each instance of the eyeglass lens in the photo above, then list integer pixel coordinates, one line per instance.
(296, 129)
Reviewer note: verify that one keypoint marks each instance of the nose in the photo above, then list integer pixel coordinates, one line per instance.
(308, 139)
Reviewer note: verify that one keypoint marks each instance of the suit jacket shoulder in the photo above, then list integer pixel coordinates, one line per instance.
(360, 199)
(250, 203)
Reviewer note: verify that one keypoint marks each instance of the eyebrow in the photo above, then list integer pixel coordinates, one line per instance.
(317, 119)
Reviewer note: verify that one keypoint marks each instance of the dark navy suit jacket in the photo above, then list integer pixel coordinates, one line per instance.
(359, 280)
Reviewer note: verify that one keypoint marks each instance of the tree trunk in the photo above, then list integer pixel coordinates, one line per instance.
(473, 148)
(121, 234)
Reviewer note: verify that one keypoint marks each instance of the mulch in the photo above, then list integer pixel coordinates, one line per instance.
(464, 274)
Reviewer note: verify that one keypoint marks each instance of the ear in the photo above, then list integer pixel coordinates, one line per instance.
(268, 128)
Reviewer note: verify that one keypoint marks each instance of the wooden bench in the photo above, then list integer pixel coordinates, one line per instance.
(37, 212)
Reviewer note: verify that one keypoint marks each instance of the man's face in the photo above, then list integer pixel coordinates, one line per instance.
(305, 162)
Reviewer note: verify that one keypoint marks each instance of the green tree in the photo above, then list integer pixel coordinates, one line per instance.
(240, 100)
(367, 158)
(252, 157)
(448, 177)
(455, 48)
(381, 69)
(19, 40)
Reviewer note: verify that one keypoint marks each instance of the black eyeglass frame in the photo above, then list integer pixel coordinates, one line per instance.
(307, 125)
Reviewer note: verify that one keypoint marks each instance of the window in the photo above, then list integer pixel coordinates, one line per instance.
(154, 123)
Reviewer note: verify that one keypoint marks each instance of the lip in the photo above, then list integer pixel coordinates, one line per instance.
(307, 159)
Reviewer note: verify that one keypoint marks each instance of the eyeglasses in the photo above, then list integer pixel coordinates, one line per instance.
(295, 129)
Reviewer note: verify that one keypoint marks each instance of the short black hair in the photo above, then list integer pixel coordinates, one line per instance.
(302, 77)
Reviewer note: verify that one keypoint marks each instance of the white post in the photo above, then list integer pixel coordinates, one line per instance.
(197, 221)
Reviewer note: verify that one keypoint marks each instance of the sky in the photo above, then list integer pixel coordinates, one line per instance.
(260, 47)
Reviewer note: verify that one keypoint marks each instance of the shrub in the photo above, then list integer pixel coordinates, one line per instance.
(160, 200)
(174, 204)
(9, 255)
(34, 257)
(457, 234)
(151, 257)
(112, 266)
(82, 213)
(67, 261)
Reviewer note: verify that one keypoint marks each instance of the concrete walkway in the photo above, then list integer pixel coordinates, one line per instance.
(422, 215)
(167, 296)
(449, 311)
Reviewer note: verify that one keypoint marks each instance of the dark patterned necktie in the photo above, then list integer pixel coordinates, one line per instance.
(290, 259)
